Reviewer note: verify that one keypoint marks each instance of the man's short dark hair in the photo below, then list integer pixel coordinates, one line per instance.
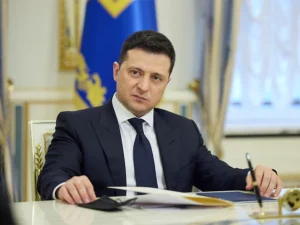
(149, 41)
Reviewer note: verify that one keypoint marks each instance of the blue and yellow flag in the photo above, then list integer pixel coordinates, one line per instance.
(106, 26)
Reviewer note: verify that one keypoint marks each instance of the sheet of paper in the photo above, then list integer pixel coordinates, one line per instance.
(165, 197)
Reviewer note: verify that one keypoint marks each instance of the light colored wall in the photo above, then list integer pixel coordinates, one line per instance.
(33, 45)
(181, 22)
(280, 153)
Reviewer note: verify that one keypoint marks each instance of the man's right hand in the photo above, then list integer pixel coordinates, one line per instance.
(77, 190)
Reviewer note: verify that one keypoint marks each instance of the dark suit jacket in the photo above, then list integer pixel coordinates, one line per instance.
(88, 142)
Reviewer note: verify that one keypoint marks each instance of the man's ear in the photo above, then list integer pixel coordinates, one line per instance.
(116, 69)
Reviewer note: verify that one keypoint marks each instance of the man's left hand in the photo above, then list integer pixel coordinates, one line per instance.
(267, 181)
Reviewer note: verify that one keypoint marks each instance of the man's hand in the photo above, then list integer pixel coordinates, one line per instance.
(267, 181)
(77, 190)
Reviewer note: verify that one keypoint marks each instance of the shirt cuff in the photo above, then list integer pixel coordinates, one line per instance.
(55, 189)
(272, 170)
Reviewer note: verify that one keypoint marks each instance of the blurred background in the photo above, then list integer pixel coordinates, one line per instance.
(236, 74)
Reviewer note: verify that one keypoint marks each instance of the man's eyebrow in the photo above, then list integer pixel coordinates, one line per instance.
(135, 67)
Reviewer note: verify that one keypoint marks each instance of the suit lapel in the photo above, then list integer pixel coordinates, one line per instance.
(167, 138)
(108, 133)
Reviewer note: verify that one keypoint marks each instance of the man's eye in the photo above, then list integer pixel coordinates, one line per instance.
(135, 72)
(158, 78)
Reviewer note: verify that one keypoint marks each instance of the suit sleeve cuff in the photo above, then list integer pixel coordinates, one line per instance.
(55, 189)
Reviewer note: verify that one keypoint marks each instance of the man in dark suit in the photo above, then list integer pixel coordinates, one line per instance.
(129, 142)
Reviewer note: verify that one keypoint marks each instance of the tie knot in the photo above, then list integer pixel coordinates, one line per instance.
(137, 124)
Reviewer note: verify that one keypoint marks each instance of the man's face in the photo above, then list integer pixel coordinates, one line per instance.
(141, 80)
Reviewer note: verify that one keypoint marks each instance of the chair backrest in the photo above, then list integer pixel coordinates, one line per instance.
(41, 133)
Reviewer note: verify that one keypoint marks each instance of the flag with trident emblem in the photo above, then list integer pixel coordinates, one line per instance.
(107, 24)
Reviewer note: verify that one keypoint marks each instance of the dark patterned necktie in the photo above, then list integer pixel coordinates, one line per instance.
(144, 166)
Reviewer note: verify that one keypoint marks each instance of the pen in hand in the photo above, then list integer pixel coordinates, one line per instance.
(255, 185)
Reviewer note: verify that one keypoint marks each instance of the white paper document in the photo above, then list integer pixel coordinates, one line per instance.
(155, 196)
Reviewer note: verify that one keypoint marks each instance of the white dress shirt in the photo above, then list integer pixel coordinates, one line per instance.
(128, 135)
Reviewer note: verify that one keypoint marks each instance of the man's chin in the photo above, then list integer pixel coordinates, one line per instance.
(139, 111)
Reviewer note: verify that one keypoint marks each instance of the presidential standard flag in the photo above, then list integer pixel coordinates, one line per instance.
(106, 26)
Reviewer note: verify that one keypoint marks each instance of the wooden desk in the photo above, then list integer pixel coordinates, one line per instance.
(58, 213)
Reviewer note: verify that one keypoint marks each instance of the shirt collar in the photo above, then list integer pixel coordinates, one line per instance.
(124, 114)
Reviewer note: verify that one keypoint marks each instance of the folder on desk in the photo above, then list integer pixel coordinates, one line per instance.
(235, 196)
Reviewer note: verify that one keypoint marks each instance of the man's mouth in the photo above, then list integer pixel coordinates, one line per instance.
(140, 97)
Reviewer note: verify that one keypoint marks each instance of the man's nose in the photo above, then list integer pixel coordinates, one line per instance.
(144, 83)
